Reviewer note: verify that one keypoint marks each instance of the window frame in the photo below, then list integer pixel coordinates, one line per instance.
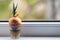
(37, 21)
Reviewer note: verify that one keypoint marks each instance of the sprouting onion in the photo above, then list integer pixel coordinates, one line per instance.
(14, 20)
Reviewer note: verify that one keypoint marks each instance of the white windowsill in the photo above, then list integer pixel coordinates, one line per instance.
(33, 28)
(32, 38)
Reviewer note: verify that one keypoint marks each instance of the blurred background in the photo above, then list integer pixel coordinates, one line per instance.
(31, 9)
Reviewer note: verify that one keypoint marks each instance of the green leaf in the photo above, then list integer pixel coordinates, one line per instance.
(14, 9)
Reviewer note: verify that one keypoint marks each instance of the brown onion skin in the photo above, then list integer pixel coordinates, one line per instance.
(14, 21)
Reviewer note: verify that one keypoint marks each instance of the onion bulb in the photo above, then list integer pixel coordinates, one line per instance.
(14, 20)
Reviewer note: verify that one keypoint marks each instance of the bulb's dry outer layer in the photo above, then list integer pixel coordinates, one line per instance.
(15, 23)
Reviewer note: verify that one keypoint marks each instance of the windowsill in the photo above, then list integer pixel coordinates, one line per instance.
(32, 38)
(33, 29)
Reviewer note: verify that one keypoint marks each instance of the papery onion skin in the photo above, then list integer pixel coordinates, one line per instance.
(14, 21)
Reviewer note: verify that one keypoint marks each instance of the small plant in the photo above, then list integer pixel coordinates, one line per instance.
(14, 20)
(14, 23)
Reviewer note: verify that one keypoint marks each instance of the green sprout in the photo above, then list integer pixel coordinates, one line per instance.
(14, 9)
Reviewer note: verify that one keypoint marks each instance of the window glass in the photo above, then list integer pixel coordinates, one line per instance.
(31, 9)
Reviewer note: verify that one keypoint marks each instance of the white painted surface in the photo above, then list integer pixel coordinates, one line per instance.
(32, 38)
(33, 28)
